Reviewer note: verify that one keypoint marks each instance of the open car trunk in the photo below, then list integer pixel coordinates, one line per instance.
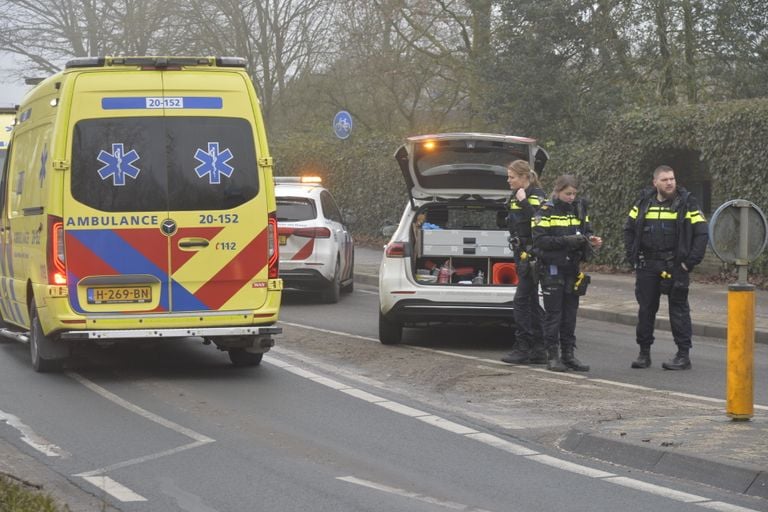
(462, 243)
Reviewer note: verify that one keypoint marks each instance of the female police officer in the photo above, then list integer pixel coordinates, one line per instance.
(562, 238)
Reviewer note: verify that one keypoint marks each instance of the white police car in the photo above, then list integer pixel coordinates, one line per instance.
(316, 248)
(449, 259)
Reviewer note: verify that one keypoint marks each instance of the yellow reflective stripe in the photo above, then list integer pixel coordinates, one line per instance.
(534, 201)
(633, 212)
(657, 214)
(515, 206)
(541, 222)
(563, 221)
(695, 217)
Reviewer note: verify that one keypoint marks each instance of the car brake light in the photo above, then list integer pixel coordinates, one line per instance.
(318, 232)
(395, 250)
(57, 270)
(273, 255)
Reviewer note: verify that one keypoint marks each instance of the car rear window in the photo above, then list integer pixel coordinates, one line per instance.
(467, 163)
(163, 163)
(295, 209)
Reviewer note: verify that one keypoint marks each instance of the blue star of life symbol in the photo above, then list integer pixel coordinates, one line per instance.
(43, 160)
(118, 164)
(214, 163)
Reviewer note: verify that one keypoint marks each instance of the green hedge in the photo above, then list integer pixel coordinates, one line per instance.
(727, 142)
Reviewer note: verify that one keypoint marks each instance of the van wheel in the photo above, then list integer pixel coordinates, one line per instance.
(332, 293)
(390, 333)
(240, 357)
(40, 345)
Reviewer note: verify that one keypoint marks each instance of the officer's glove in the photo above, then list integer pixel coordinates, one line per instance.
(574, 242)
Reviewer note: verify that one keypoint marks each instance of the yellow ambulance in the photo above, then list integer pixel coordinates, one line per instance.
(137, 201)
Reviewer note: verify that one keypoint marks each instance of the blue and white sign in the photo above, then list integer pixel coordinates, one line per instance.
(342, 124)
(118, 164)
(214, 163)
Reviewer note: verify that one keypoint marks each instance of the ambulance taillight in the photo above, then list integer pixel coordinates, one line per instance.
(57, 271)
(273, 257)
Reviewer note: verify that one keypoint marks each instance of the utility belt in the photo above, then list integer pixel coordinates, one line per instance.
(657, 255)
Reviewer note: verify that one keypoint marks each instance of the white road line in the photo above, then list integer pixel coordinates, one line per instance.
(529, 368)
(29, 436)
(139, 460)
(368, 292)
(450, 426)
(658, 490)
(114, 489)
(138, 410)
(407, 494)
(498, 443)
(502, 444)
(724, 507)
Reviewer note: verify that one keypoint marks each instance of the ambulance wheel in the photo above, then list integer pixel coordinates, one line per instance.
(390, 333)
(240, 357)
(40, 345)
(332, 293)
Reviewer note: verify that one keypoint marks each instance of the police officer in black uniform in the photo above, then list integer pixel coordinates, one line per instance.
(562, 239)
(665, 236)
(527, 197)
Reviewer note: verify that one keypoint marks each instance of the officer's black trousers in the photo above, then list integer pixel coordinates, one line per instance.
(648, 293)
(560, 310)
(528, 312)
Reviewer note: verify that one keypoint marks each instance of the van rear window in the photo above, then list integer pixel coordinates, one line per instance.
(163, 163)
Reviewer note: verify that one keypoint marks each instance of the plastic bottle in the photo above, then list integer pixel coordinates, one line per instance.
(479, 278)
(445, 274)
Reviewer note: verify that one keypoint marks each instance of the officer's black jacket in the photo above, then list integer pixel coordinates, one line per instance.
(691, 226)
(552, 222)
(521, 213)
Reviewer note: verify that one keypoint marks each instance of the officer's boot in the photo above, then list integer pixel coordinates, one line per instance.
(519, 354)
(681, 361)
(539, 353)
(570, 361)
(644, 358)
(554, 363)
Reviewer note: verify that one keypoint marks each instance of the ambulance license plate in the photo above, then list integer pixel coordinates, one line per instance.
(282, 239)
(119, 295)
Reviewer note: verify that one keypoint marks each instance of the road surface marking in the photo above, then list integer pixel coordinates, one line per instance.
(502, 444)
(724, 507)
(658, 490)
(97, 476)
(114, 489)
(125, 404)
(29, 436)
(718, 401)
(569, 466)
(492, 441)
(407, 494)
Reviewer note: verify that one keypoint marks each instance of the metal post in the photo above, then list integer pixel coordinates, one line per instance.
(741, 330)
(740, 352)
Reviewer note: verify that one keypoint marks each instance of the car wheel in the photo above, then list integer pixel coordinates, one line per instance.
(240, 357)
(40, 344)
(332, 293)
(390, 333)
(350, 286)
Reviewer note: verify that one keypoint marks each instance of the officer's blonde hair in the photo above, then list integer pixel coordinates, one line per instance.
(522, 169)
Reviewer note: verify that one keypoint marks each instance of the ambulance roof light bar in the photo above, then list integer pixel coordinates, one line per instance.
(156, 62)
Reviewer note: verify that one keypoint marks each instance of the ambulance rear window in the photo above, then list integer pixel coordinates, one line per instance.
(164, 163)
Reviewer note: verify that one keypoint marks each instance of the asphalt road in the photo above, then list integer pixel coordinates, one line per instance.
(174, 427)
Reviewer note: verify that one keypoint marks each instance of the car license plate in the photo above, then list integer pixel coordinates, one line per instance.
(119, 295)
(282, 239)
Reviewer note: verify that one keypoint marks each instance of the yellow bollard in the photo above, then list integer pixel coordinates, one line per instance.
(740, 348)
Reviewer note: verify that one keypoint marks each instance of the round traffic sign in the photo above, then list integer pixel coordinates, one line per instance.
(342, 124)
(728, 227)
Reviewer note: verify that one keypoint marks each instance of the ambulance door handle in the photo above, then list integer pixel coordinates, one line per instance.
(190, 243)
